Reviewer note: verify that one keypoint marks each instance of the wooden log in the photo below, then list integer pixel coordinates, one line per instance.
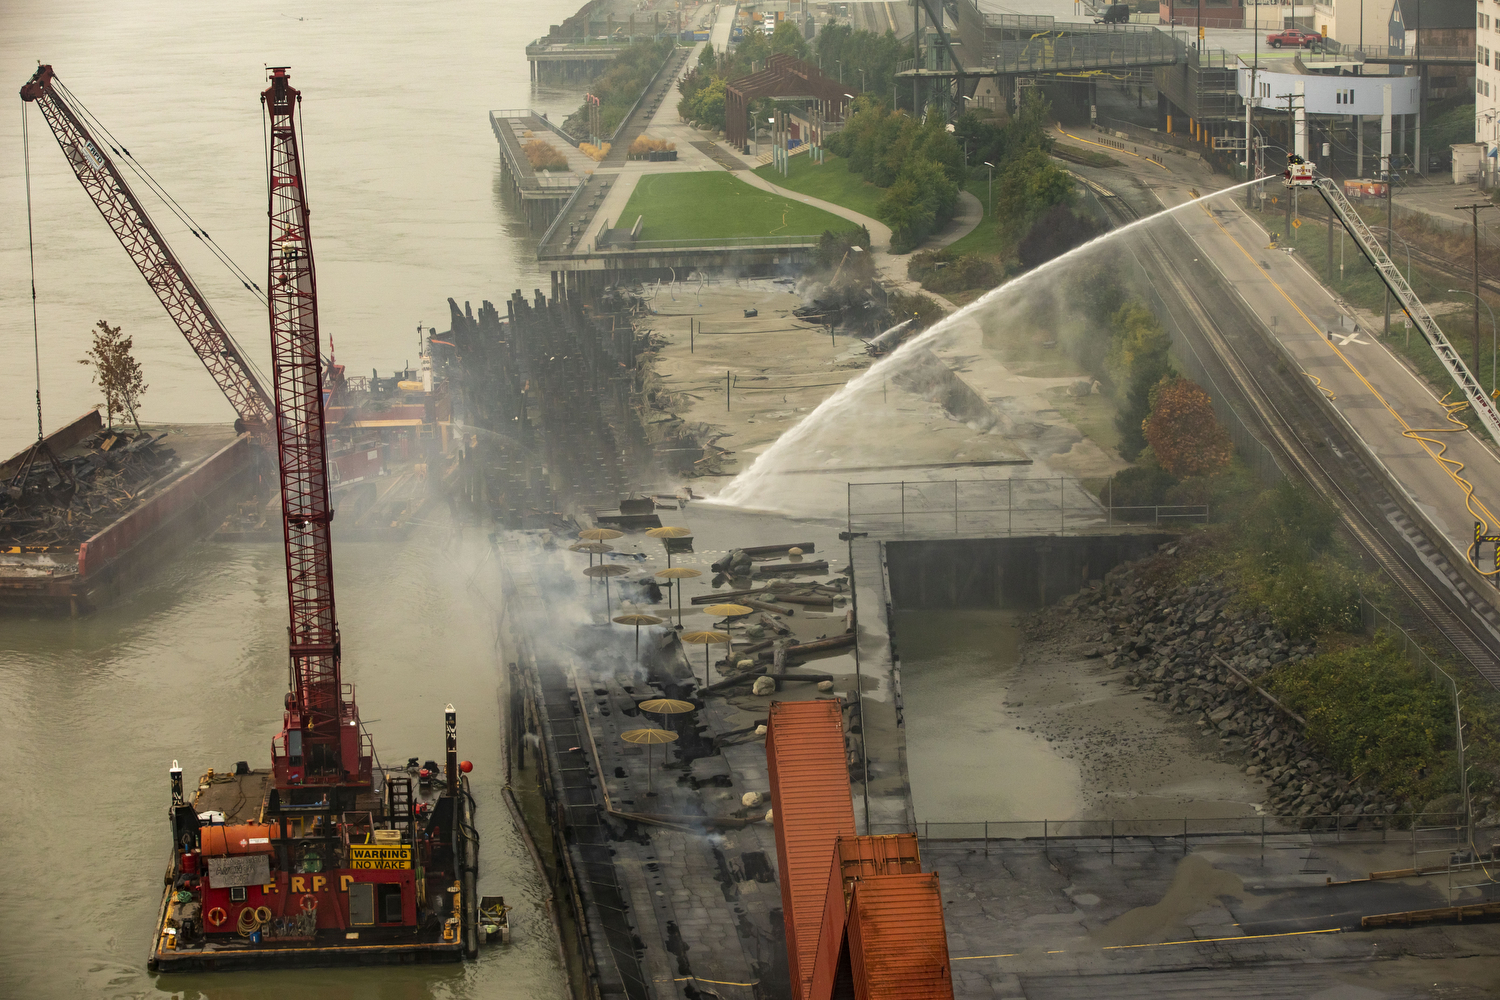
(808, 601)
(787, 569)
(720, 597)
(771, 550)
(750, 675)
(818, 645)
(775, 609)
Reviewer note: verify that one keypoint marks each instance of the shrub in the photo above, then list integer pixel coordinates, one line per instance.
(1374, 715)
(542, 155)
(944, 271)
(592, 151)
(1183, 430)
(645, 144)
(1287, 563)
(1055, 232)
(1139, 486)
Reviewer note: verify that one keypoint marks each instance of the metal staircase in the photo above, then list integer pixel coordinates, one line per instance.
(1391, 275)
(398, 803)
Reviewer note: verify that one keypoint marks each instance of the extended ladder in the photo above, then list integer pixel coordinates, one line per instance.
(1415, 310)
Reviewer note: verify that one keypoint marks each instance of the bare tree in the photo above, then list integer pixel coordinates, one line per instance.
(116, 372)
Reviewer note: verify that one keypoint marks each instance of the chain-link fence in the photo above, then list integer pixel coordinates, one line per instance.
(1423, 833)
(992, 507)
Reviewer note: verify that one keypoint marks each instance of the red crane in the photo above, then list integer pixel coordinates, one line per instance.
(321, 743)
(148, 249)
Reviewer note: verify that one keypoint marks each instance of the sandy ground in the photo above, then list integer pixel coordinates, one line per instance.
(777, 369)
(1002, 729)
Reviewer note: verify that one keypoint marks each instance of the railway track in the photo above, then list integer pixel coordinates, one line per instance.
(1234, 353)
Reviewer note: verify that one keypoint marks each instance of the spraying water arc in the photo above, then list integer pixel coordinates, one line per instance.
(753, 487)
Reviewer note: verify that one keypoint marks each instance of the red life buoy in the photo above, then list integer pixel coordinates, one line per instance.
(217, 916)
(309, 902)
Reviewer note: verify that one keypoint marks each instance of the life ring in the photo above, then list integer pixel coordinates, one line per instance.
(217, 916)
(309, 902)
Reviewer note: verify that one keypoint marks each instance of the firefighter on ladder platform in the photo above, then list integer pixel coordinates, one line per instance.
(1298, 172)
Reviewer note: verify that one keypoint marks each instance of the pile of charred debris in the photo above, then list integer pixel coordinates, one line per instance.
(59, 501)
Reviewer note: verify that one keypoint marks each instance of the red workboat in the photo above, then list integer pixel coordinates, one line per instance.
(325, 857)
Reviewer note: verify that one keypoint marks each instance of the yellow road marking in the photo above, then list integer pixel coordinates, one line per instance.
(1451, 466)
(1103, 146)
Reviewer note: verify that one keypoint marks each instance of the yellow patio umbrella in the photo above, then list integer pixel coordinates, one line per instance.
(708, 638)
(728, 610)
(665, 706)
(678, 573)
(650, 737)
(666, 533)
(606, 571)
(599, 534)
(592, 548)
(638, 620)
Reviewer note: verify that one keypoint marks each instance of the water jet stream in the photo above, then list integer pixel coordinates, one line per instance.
(748, 488)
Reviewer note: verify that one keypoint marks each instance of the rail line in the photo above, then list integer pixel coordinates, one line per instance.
(1276, 407)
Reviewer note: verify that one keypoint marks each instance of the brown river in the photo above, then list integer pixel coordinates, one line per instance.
(403, 177)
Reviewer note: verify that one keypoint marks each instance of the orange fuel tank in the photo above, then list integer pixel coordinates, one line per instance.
(247, 838)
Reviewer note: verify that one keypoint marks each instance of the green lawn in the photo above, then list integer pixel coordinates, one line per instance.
(830, 181)
(716, 205)
(985, 239)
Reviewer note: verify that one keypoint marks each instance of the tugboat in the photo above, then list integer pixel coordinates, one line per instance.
(325, 857)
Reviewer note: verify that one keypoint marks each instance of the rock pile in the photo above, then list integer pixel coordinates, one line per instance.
(1192, 648)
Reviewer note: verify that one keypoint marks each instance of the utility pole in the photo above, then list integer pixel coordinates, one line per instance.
(1291, 131)
(1473, 211)
(1254, 95)
(1391, 235)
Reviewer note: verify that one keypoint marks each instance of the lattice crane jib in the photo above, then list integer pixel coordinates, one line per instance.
(321, 744)
(1483, 406)
(148, 249)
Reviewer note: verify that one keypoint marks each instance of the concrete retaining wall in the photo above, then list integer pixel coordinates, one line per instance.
(1016, 572)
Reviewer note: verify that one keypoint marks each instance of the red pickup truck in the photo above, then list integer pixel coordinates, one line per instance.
(1294, 36)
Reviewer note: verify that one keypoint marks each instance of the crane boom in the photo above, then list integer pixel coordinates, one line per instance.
(149, 250)
(321, 743)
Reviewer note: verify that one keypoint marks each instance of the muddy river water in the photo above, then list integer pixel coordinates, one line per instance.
(403, 174)
(94, 711)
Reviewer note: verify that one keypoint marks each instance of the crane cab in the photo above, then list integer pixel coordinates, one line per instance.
(1298, 172)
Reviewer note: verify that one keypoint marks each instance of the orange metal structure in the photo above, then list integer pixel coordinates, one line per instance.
(812, 809)
(862, 920)
(898, 943)
(854, 858)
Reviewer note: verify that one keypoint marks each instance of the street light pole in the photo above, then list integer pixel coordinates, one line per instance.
(992, 188)
(1493, 352)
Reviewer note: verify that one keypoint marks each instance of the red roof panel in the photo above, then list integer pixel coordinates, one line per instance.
(812, 807)
(898, 943)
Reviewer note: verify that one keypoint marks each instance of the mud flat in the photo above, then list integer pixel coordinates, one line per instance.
(1002, 729)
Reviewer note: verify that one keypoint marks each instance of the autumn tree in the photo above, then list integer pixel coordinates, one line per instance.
(1183, 432)
(116, 372)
